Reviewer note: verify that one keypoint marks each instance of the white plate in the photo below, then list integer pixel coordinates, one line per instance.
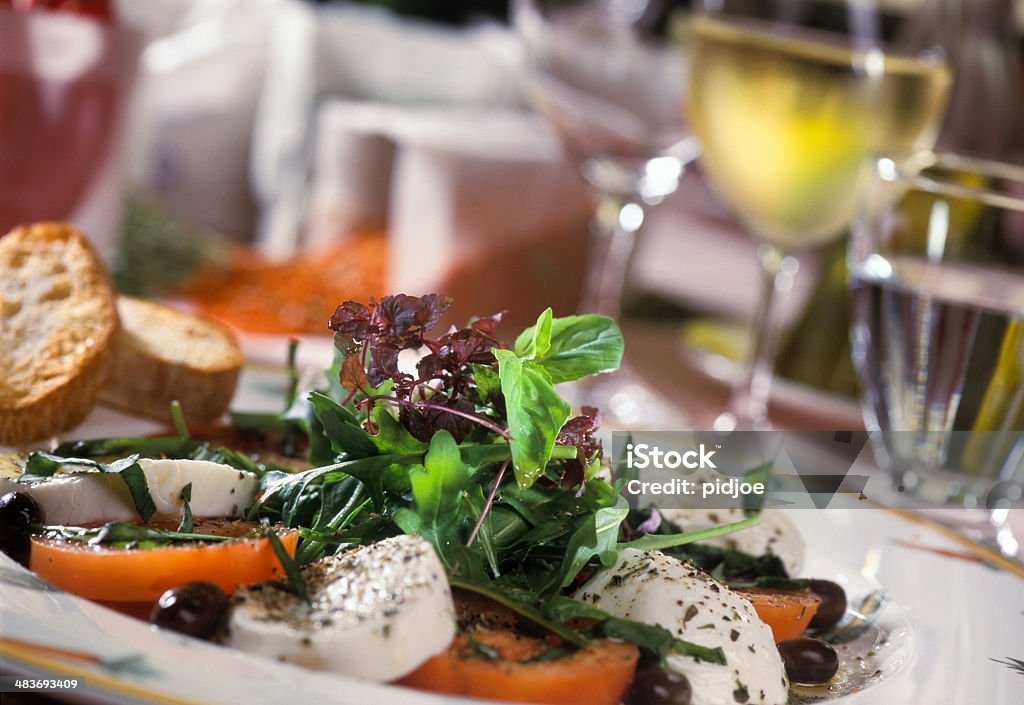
(947, 619)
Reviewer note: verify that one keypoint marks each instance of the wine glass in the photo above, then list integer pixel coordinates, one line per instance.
(609, 79)
(788, 97)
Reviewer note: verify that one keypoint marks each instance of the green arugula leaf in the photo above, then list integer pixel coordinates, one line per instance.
(598, 536)
(476, 500)
(437, 489)
(391, 436)
(186, 524)
(342, 428)
(536, 413)
(579, 346)
(302, 415)
(506, 526)
(660, 542)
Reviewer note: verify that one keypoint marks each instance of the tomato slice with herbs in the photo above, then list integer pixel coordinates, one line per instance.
(504, 664)
(787, 612)
(114, 574)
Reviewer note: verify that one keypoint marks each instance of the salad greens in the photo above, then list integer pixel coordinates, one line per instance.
(474, 450)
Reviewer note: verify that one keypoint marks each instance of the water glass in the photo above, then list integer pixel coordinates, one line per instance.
(937, 270)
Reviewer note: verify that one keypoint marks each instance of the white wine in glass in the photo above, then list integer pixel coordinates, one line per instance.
(787, 109)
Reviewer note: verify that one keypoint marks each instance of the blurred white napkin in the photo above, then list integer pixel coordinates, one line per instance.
(359, 54)
(464, 191)
(201, 78)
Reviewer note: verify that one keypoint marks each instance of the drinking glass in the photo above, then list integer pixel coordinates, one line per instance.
(787, 98)
(937, 270)
(608, 77)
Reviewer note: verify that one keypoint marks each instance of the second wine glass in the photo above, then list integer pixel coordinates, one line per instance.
(788, 98)
(608, 77)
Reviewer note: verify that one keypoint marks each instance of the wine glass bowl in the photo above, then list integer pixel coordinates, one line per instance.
(608, 76)
(608, 80)
(787, 100)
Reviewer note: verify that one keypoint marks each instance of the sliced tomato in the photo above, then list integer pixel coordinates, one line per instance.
(142, 575)
(503, 664)
(787, 612)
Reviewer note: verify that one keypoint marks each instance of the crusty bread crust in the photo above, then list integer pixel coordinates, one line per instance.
(57, 320)
(162, 354)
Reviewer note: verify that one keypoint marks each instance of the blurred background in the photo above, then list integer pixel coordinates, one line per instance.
(263, 160)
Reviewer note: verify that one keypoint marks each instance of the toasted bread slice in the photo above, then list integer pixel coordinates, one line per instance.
(57, 322)
(162, 354)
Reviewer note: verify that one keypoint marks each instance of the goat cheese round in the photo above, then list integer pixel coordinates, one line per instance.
(650, 587)
(376, 613)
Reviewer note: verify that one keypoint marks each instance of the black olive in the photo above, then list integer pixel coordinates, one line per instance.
(809, 661)
(833, 604)
(18, 512)
(196, 609)
(657, 686)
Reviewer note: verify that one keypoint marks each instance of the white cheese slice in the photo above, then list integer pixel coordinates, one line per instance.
(650, 587)
(377, 612)
(91, 497)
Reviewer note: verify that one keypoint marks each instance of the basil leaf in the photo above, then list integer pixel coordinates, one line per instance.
(596, 536)
(535, 413)
(186, 524)
(437, 490)
(131, 472)
(291, 569)
(579, 346)
(122, 534)
(40, 466)
(537, 344)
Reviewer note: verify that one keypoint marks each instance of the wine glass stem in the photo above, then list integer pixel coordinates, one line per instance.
(616, 220)
(748, 403)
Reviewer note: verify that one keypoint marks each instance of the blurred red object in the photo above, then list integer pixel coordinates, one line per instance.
(63, 84)
(100, 9)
